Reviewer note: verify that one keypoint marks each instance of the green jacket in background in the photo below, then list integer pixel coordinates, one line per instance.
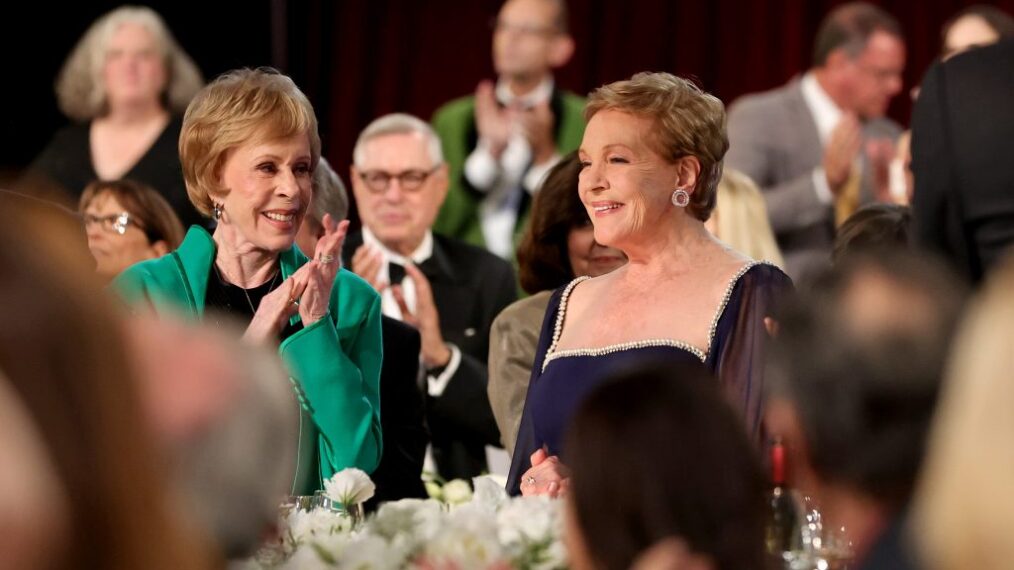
(455, 124)
(334, 363)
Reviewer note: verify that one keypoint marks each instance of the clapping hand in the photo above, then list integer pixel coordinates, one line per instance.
(491, 121)
(841, 151)
(323, 269)
(307, 291)
(425, 318)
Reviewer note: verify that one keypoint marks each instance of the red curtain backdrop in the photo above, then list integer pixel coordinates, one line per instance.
(359, 59)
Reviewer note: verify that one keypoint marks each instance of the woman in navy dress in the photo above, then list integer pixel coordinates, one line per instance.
(651, 159)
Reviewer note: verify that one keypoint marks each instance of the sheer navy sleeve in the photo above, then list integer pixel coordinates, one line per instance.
(737, 356)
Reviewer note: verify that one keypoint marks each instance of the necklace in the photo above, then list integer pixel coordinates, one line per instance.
(253, 310)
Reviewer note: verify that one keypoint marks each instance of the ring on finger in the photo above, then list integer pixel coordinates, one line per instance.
(326, 258)
(531, 481)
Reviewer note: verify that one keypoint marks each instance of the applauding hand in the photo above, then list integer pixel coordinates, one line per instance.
(435, 352)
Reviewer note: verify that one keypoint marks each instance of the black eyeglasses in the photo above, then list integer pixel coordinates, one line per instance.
(410, 180)
(118, 224)
(113, 223)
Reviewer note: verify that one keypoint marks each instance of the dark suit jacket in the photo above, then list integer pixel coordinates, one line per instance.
(470, 288)
(402, 417)
(962, 126)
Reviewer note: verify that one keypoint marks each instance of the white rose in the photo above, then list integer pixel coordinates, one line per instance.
(490, 490)
(457, 492)
(349, 487)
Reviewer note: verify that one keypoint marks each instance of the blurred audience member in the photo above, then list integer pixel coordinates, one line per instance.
(975, 26)
(449, 290)
(34, 513)
(820, 146)
(403, 423)
(558, 245)
(855, 370)
(126, 85)
(740, 218)
(873, 227)
(501, 141)
(127, 222)
(217, 404)
(962, 126)
(629, 491)
(63, 354)
(965, 506)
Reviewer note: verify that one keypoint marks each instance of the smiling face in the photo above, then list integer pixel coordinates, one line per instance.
(267, 192)
(134, 69)
(624, 184)
(398, 215)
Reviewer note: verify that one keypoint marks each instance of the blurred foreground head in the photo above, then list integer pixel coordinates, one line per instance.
(854, 373)
(63, 365)
(630, 490)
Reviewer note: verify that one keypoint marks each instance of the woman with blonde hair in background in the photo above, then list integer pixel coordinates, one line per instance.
(740, 218)
(125, 85)
(965, 505)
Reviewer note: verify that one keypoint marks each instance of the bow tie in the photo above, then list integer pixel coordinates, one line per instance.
(396, 273)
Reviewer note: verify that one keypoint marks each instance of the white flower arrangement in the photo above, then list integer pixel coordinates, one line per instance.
(484, 529)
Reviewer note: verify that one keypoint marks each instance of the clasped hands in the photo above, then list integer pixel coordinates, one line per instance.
(307, 291)
(547, 476)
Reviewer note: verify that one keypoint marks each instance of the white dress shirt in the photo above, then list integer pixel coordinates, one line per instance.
(826, 114)
(389, 306)
(501, 180)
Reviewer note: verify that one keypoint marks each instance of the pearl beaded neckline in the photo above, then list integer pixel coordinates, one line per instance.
(553, 354)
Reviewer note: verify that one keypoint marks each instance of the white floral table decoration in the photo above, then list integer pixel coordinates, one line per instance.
(459, 530)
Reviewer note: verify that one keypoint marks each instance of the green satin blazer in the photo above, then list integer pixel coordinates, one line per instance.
(334, 363)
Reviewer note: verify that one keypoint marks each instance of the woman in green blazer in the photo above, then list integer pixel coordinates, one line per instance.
(248, 148)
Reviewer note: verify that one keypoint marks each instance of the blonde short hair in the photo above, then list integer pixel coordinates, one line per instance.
(79, 88)
(742, 218)
(239, 107)
(687, 122)
(963, 506)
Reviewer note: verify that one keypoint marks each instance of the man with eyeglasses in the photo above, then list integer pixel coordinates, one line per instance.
(449, 290)
(502, 140)
(820, 146)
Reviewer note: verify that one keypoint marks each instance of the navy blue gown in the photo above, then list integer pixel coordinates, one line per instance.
(561, 379)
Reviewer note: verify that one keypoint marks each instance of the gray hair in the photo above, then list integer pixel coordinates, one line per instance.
(233, 484)
(398, 124)
(329, 195)
(79, 89)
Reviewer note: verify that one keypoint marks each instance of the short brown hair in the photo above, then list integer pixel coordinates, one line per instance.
(687, 122)
(156, 217)
(232, 110)
(543, 261)
(850, 26)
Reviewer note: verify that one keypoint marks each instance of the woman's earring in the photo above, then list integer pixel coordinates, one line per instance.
(216, 210)
(680, 198)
